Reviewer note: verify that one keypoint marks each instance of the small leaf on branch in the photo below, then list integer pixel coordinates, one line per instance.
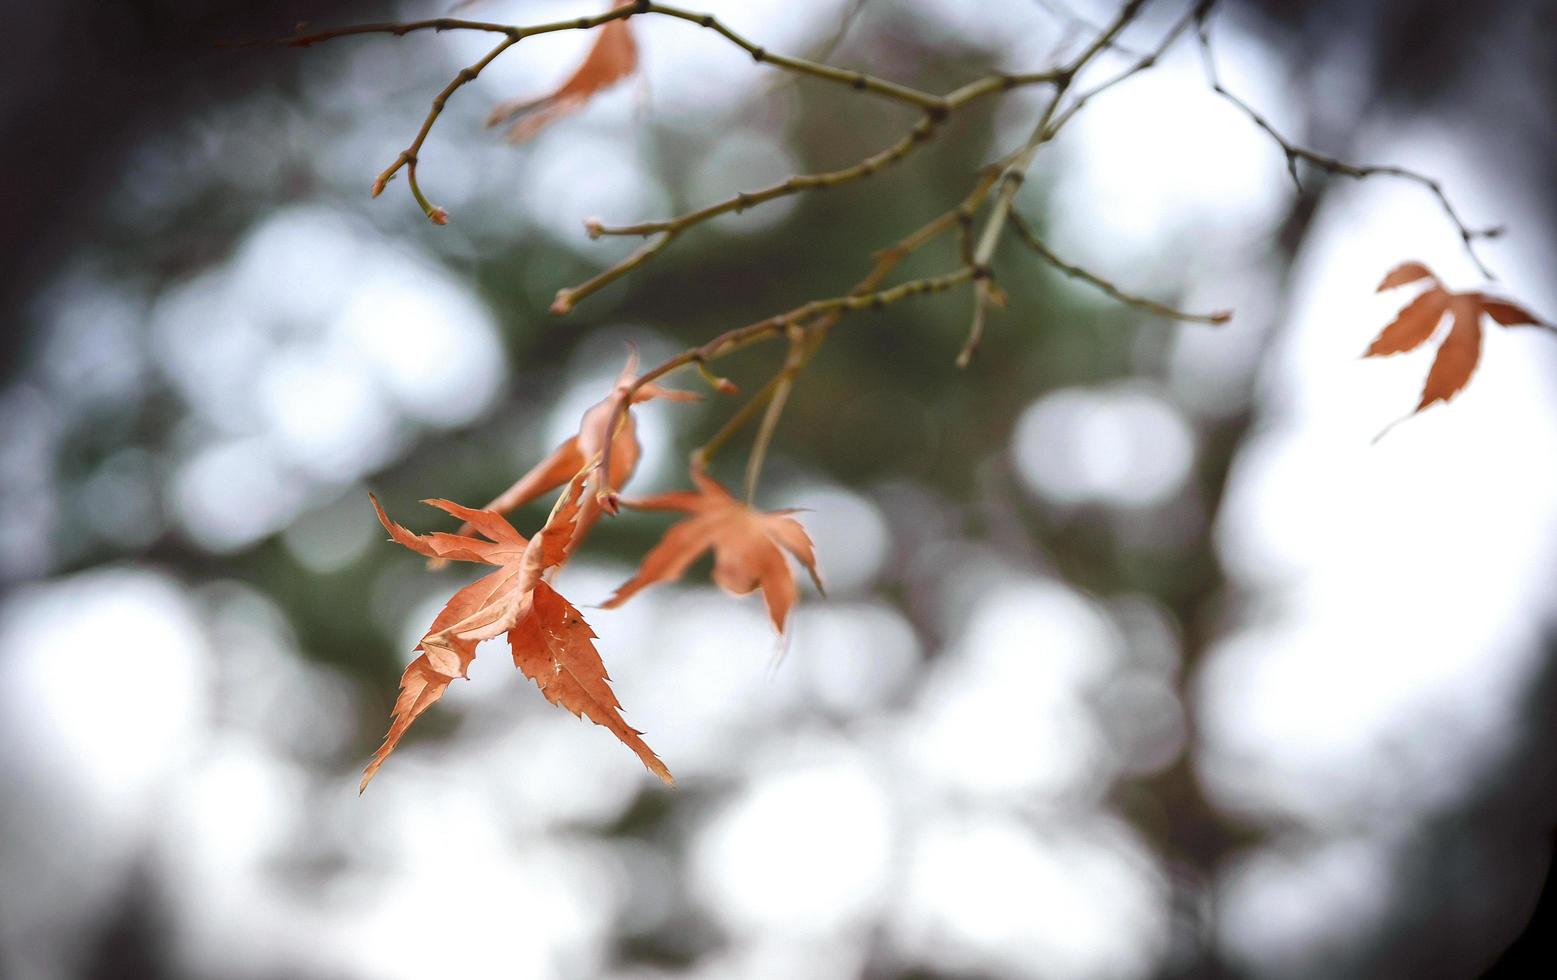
(1460, 349)
(746, 543)
(613, 57)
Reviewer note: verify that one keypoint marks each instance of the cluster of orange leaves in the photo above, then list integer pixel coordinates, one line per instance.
(548, 637)
(550, 641)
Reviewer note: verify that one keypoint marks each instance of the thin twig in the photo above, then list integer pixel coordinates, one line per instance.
(777, 326)
(841, 76)
(793, 362)
(817, 328)
(1024, 232)
(408, 155)
(828, 48)
(1077, 22)
(1145, 62)
(923, 132)
(398, 29)
(936, 107)
(981, 301)
(1015, 171)
(569, 296)
(873, 164)
(1003, 82)
(732, 425)
(933, 104)
(1295, 152)
(845, 25)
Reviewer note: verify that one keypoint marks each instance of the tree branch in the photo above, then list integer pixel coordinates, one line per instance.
(1024, 232)
(840, 76)
(920, 134)
(1294, 153)
(1016, 171)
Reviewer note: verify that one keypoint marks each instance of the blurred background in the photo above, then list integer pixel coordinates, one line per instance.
(1138, 659)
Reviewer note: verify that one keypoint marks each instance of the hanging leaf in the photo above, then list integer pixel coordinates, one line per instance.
(613, 57)
(551, 643)
(748, 547)
(1460, 350)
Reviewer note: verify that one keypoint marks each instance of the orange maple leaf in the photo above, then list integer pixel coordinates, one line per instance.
(569, 458)
(1461, 346)
(550, 641)
(612, 57)
(746, 545)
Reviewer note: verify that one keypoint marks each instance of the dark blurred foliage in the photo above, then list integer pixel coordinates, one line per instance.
(84, 82)
(90, 79)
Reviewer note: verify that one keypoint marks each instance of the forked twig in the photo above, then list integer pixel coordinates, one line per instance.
(1294, 153)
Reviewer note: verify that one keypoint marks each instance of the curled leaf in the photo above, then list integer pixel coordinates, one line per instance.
(569, 457)
(550, 641)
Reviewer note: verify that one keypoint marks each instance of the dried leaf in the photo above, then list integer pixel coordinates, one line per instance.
(1507, 313)
(746, 543)
(568, 458)
(555, 648)
(1413, 326)
(1457, 355)
(612, 57)
(543, 630)
(1461, 348)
